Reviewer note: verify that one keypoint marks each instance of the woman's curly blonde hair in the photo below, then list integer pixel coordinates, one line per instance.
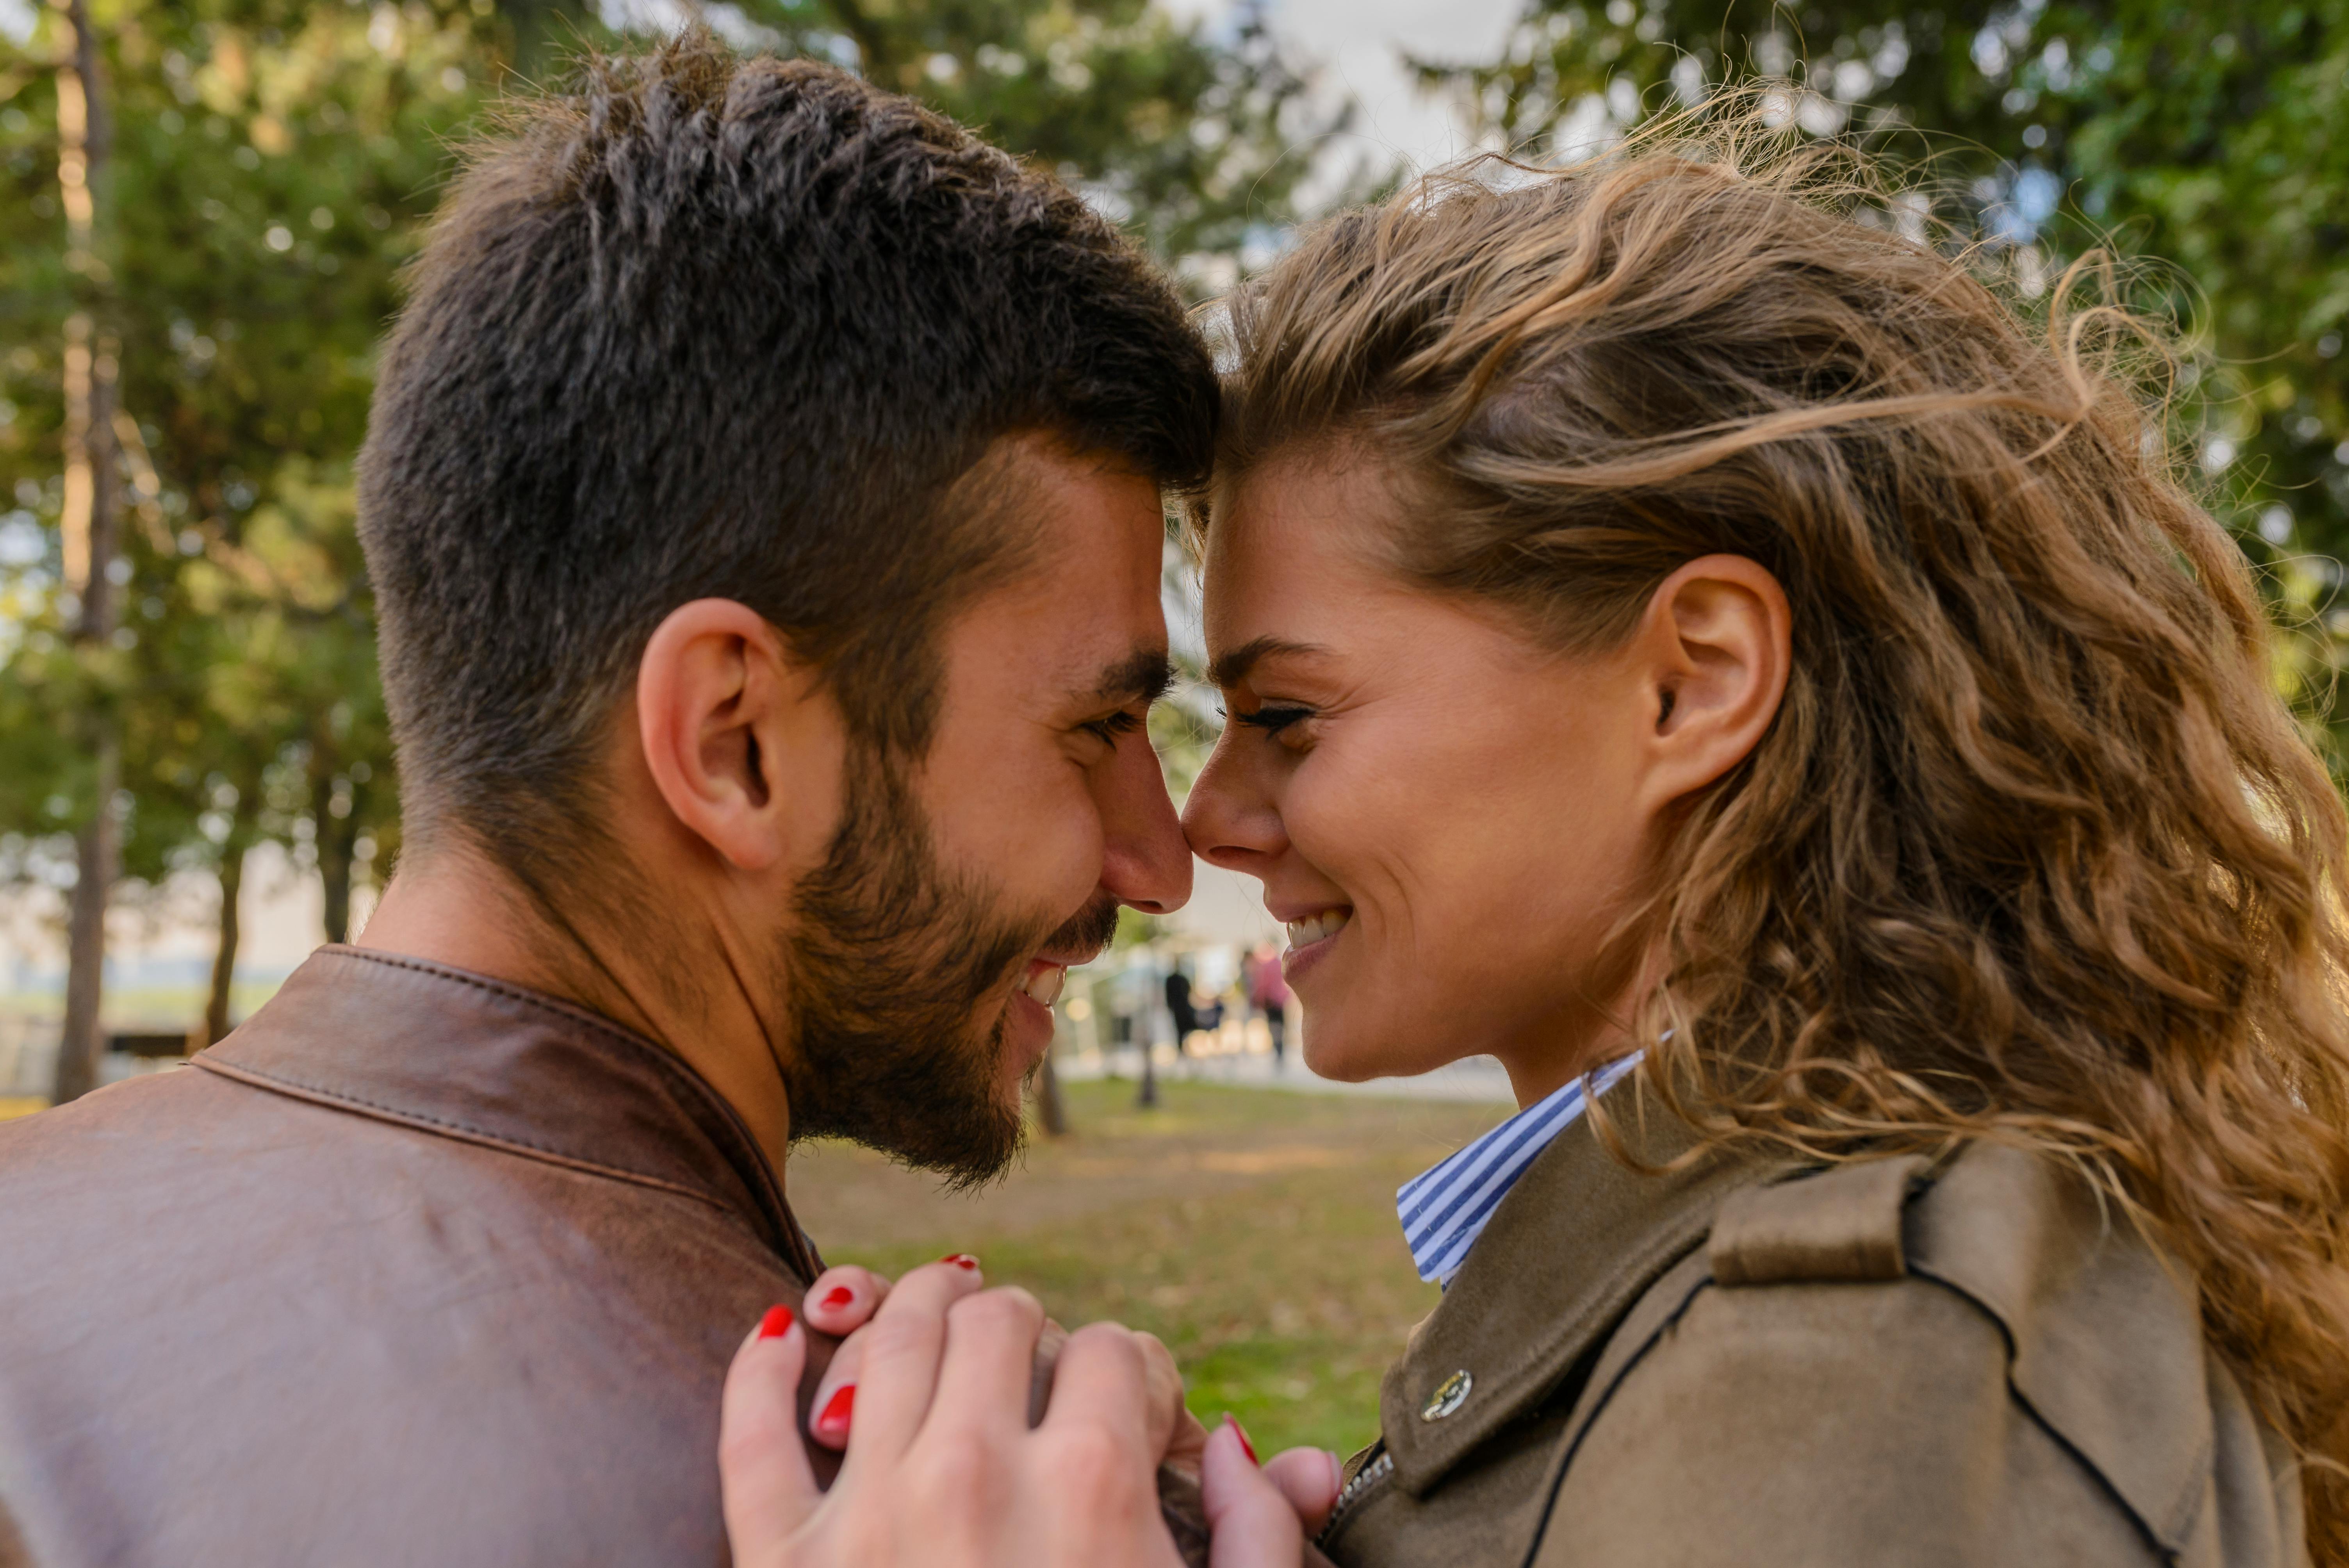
(2034, 850)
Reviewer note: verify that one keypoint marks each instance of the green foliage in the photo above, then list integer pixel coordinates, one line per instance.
(2214, 138)
(270, 166)
(273, 163)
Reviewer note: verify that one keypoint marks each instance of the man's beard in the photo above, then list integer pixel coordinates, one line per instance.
(885, 972)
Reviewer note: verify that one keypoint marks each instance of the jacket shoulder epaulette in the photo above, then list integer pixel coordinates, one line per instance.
(1841, 1223)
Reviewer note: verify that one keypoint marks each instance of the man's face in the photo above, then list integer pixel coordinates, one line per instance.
(958, 889)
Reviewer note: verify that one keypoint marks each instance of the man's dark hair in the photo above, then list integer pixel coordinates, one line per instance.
(714, 327)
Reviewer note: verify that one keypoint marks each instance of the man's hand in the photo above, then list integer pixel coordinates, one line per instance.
(842, 1300)
(943, 1466)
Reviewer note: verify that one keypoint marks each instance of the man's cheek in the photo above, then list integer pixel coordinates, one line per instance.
(1049, 858)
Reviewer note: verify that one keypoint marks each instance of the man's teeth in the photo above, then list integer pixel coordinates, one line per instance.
(1045, 984)
(1314, 927)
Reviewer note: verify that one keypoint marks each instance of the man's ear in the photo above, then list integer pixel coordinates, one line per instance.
(1712, 651)
(742, 739)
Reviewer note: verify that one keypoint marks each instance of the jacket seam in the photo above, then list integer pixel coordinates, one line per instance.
(2167, 1553)
(1606, 1396)
(521, 1148)
(794, 1239)
(511, 993)
(1651, 1265)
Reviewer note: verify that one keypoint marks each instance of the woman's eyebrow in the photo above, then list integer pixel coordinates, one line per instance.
(1231, 668)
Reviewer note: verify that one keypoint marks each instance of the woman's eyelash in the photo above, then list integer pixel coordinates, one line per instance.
(1272, 721)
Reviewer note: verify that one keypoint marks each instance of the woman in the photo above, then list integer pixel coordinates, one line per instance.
(1674, 626)
(1660, 614)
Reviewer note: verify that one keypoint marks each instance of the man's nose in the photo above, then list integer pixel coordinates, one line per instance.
(1145, 861)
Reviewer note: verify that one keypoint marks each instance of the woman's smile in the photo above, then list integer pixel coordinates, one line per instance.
(1311, 939)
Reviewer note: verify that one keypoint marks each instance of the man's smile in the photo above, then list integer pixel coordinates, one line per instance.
(1042, 981)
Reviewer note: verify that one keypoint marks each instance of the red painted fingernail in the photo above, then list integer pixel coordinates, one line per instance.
(839, 1296)
(776, 1324)
(1240, 1432)
(839, 1412)
(960, 1260)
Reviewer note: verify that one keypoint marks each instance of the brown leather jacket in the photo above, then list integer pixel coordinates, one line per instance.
(415, 1268)
(1742, 1361)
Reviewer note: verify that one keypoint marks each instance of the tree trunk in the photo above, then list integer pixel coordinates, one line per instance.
(1051, 1113)
(231, 881)
(97, 847)
(89, 524)
(336, 841)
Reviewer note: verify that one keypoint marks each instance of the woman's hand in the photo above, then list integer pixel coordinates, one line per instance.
(943, 1466)
(842, 1300)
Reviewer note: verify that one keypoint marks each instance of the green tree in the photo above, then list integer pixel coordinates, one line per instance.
(272, 163)
(2213, 137)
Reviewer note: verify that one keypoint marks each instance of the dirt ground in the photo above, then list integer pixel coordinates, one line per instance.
(1252, 1230)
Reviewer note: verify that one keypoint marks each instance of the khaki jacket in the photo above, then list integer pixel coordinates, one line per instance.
(1745, 1362)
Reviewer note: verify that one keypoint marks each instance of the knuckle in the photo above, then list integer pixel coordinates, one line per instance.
(1090, 1461)
(750, 1443)
(1111, 1342)
(888, 1339)
(1006, 1308)
(964, 1470)
(1156, 1356)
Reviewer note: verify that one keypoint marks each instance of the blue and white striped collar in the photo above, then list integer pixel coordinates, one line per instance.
(1444, 1208)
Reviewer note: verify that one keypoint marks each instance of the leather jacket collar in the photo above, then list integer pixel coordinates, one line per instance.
(488, 1062)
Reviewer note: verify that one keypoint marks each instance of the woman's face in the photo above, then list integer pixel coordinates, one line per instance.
(1450, 819)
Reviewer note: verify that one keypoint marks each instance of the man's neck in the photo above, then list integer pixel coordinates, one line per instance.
(456, 907)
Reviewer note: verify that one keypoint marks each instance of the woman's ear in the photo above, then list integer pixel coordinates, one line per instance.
(1714, 648)
(742, 740)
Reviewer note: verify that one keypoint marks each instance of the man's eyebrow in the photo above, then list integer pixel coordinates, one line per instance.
(1143, 674)
(1231, 669)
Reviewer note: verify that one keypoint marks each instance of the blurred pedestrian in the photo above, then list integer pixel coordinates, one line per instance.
(1190, 1016)
(1267, 991)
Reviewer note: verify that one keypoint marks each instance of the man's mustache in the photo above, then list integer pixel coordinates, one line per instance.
(1086, 932)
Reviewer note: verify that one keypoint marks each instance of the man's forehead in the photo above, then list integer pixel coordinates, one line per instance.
(1078, 617)
(1080, 645)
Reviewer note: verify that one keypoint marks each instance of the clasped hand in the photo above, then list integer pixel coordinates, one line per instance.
(943, 1467)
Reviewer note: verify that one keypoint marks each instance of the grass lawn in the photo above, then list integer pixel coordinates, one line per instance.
(1252, 1230)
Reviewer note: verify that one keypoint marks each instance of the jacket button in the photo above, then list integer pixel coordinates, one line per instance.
(1449, 1396)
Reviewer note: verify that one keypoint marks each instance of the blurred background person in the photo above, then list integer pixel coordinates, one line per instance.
(1267, 993)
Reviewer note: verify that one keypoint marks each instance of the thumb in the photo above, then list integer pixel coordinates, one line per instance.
(1310, 1479)
(1251, 1523)
(763, 1465)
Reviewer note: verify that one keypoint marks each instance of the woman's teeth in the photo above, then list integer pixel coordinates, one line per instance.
(1044, 985)
(1314, 927)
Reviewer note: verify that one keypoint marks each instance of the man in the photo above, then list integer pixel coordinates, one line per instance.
(762, 501)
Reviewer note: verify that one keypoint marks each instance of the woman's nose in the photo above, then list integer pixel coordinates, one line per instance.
(1229, 821)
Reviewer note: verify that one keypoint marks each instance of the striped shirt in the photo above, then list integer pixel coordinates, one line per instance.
(1444, 1208)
